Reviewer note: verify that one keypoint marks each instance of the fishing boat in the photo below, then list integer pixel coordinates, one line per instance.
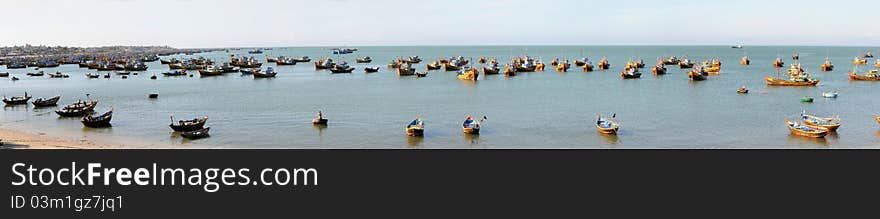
(405, 69)
(90, 75)
(877, 118)
(860, 61)
(303, 59)
(659, 69)
(341, 67)
(563, 66)
(639, 63)
(421, 74)
(471, 126)
(177, 66)
(685, 63)
(58, 75)
(454, 65)
(324, 64)
(603, 64)
(745, 61)
(436, 65)
(672, 60)
(285, 61)
(48, 64)
(365, 59)
(868, 55)
(509, 71)
(188, 125)
(830, 94)
(175, 73)
(15, 65)
(320, 120)
(801, 129)
(631, 73)
(270, 59)
(712, 69)
(742, 90)
(470, 74)
(492, 69)
(15, 78)
(107, 75)
(525, 64)
(796, 56)
(697, 74)
(413, 60)
(36, 74)
(135, 66)
(80, 108)
(877, 63)
(737, 46)
(249, 71)
(605, 125)
(100, 121)
(416, 128)
(122, 72)
(256, 51)
(153, 95)
(554, 62)
(827, 66)
(371, 69)
(17, 100)
(581, 62)
(43, 102)
(778, 63)
(807, 99)
(211, 70)
(800, 79)
(482, 60)
(270, 73)
(872, 75)
(196, 134)
(4, 74)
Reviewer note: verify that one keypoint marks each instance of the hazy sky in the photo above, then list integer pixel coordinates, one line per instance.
(242, 23)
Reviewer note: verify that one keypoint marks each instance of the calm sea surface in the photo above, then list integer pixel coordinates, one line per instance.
(531, 110)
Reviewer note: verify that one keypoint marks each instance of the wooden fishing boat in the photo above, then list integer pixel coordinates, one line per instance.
(17, 100)
(371, 69)
(188, 125)
(153, 96)
(58, 75)
(365, 59)
(107, 75)
(581, 62)
(405, 69)
(482, 60)
(830, 94)
(555, 62)
(4, 74)
(35, 74)
(745, 61)
(100, 121)
(80, 108)
(324, 64)
(341, 69)
(868, 55)
(303, 59)
(171, 61)
(270, 59)
(471, 126)
(42, 102)
(859, 61)
(90, 75)
(659, 69)
(210, 71)
(412, 60)
(631, 73)
(742, 90)
(508, 71)
(872, 75)
(672, 60)
(804, 130)
(807, 99)
(249, 71)
(491, 70)
(176, 66)
(416, 128)
(256, 51)
(563, 67)
(175, 73)
(394, 64)
(469, 75)
(697, 75)
(607, 125)
(685, 64)
(451, 67)
(783, 82)
(796, 56)
(526, 68)
(877, 63)
(712, 69)
(587, 67)
(320, 120)
(639, 63)
(135, 67)
(196, 134)
(436, 65)
(285, 61)
(270, 73)
(877, 118)
(421, 74)
(829, 124)
(827, 66)
(778, 63)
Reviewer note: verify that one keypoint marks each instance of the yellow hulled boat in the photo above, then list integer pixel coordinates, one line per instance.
(873, 75)
(804, 130)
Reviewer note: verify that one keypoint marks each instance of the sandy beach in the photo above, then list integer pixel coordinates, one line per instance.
(13, 139)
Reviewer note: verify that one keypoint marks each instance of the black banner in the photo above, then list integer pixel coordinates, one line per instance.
(435, 183)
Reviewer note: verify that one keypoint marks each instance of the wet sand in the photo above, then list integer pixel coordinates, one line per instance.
(13, 139)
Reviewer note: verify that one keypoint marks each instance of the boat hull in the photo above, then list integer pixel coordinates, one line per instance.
(415, 132)
(855, 77)
(778, 82)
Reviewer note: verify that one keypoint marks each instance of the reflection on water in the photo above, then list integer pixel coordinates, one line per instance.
(320, 128)
(414, 141)
(611, 139)
(807, 141)
(471, 139)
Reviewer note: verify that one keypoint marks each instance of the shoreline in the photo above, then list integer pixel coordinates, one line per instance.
(17, 139)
